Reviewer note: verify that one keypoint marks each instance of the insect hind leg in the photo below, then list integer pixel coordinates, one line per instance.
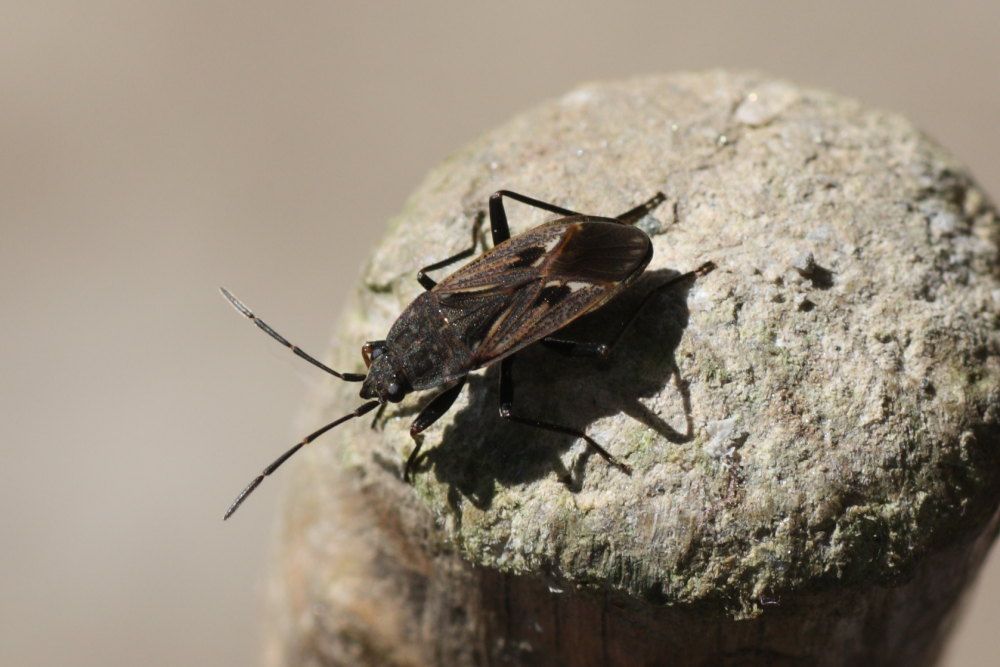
(636, 214)
(507, 412)
(575, 348)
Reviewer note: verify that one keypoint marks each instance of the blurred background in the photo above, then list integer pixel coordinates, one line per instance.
(152, 151)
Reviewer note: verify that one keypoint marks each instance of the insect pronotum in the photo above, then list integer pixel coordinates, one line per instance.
(519, 292)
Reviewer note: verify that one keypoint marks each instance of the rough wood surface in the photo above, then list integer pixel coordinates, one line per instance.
(813, 427)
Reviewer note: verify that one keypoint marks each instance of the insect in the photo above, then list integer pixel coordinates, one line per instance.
(521, 291)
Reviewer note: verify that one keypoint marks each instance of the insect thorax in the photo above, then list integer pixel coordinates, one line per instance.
(425, 346)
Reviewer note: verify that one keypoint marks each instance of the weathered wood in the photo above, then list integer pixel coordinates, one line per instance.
(814, 427)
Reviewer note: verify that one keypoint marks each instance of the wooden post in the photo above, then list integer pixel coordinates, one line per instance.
(814, 427)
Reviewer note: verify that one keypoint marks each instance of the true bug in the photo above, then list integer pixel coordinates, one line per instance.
(515, 294)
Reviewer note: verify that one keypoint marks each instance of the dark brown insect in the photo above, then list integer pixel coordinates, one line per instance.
(520, 292)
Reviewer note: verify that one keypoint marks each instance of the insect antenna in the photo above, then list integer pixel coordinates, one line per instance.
(367, 407)
(266, 328)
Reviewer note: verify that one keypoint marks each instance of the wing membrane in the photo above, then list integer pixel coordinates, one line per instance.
(538, 282)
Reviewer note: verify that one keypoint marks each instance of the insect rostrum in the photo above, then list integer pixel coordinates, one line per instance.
(520, 292)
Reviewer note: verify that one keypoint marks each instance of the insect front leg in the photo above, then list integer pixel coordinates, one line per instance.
(430, 414)
(574, 348)
(507, 412)
(477, 238)
(378, 415)
(498, 216)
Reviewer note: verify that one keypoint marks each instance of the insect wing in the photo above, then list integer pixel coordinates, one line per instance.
(538, 282)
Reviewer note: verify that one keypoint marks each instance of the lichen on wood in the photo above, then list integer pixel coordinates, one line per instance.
(819, 414)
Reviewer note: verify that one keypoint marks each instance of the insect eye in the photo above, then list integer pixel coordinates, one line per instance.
(394, 392)
(376, 353)
(397, 388)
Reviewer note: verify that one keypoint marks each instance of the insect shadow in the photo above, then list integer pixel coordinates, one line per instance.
(479, 448)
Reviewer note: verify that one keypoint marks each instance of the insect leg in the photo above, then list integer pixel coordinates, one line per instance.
(477, 237)
(428, 416)
(498, 216)
(378, 416)
(263, 326)
(642, 210)
(573, 348)
(507, 412)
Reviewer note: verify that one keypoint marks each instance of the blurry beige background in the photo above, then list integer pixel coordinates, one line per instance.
(151, 151)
